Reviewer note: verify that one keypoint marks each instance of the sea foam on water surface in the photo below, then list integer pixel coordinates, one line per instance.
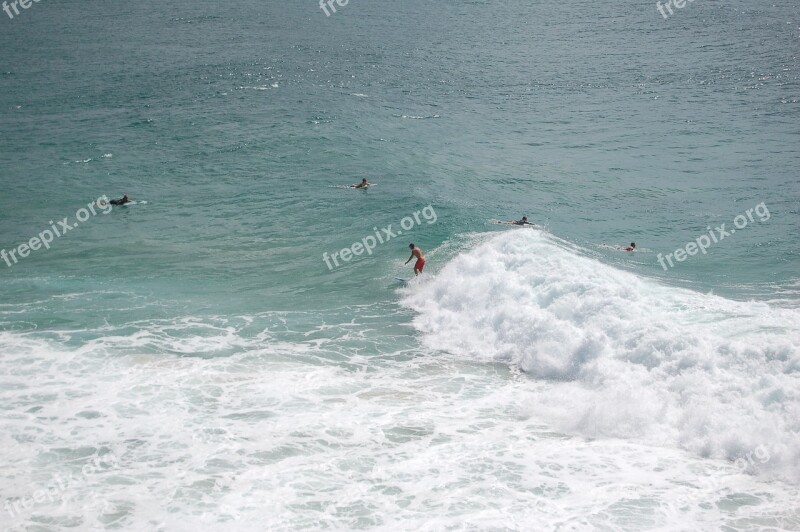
(623, 356)
(329, 419)
(281, 435)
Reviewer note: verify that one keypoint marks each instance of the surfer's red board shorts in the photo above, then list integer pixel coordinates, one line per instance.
(419, 265)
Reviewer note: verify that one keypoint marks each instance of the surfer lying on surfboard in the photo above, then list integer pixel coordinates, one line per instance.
(364, 184)
(524, 221)
(420, 264)
(632, 247)
(122, 201)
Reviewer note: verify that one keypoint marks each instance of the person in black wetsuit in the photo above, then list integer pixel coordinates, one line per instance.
(524, 221)
(122, 201)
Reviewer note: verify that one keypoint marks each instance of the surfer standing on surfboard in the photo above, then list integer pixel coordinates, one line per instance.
(420, 264)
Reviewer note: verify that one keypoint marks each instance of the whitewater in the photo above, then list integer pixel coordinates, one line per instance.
(623, 356)
(191, 360)
(546, 389)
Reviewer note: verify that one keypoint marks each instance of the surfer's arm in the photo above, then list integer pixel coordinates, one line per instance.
(409, 258)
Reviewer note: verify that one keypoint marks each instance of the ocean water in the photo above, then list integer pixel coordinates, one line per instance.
(191, 362)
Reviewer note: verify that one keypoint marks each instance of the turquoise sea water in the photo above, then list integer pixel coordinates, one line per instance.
(531, 378)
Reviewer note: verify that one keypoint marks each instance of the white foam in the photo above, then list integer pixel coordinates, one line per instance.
(623, 356)
(340, 421)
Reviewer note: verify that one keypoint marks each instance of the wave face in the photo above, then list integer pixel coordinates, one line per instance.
(611, 354)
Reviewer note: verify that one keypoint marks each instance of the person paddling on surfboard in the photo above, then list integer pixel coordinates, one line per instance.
(122, 201)
(524, 221)
(420, 264)
(632, 247)
(364, 184)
